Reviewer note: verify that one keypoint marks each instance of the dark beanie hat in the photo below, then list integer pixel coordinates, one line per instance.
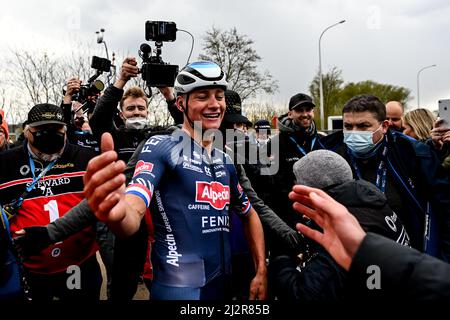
(233, 111)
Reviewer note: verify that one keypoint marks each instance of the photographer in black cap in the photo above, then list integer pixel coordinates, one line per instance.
(297, 137)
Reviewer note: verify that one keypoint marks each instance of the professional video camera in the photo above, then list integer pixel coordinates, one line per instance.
(93, 86)
(155, 72)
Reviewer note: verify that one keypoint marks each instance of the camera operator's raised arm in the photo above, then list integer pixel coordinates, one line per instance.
(129, 70)
(103, 117)
(123, 114)
(73, 86)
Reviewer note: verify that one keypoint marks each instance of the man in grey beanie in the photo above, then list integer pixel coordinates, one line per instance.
(330, 172)
(321, 278)
(321, 169)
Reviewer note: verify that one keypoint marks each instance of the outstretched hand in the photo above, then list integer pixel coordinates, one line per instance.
(342, 234)
(104, 182)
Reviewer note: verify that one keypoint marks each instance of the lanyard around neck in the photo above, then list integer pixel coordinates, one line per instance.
(11, 208)
(380, 181)
(39, 177)
(300, 148)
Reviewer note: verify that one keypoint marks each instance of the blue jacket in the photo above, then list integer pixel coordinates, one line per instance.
(425, 189)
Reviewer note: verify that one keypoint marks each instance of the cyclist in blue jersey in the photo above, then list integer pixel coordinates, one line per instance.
(189, 187)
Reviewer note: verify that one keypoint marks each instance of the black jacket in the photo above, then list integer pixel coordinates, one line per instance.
(369, 206)
(285, 153)
(125, 140)
(248, 154)
(322, 278)
(404, 273)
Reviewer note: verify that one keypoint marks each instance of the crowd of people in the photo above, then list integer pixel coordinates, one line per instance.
(204, 210)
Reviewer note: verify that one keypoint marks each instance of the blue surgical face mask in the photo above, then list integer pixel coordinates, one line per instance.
(360, 142)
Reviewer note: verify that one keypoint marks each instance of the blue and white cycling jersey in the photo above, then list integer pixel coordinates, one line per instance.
(189, 193)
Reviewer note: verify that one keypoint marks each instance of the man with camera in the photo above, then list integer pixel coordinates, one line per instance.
(78, 129)
(191, 253)
(133, 112)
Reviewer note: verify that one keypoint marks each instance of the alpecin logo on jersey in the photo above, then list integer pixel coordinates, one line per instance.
(214, 193)
(143, 167)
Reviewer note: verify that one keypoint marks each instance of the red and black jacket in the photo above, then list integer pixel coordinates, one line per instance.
(60, 189)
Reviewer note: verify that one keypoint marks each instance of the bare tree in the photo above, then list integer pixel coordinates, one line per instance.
(2, 95)
(235, 54)
(157, 109)
(39, 75)
(30, 78)
(255, 111)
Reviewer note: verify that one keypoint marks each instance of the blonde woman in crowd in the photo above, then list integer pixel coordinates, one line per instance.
(418, 124)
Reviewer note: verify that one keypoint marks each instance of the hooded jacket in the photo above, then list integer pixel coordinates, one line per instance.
(369, 206)
(322, 278)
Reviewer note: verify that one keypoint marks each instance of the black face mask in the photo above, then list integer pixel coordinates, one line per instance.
(48, 141)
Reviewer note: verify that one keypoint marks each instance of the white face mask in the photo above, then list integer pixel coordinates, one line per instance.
(136, 123)
(360, 142)
(262, 141)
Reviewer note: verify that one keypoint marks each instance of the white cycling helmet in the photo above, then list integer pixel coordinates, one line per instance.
(201, 74)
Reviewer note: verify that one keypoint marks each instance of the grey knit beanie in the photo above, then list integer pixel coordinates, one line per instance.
(322, 168)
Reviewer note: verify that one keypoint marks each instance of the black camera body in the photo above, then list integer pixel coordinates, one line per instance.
(88, 90)
(101, 64)
(159, 74)
(156, 72)
(93, 86)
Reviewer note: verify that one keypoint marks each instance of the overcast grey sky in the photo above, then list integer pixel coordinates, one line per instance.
(385, 41)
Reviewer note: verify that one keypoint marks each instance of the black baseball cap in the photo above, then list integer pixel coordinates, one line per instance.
(300, 100)
(45, 113)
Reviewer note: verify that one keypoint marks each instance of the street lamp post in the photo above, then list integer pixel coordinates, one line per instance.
(322, 116)
(418, 89)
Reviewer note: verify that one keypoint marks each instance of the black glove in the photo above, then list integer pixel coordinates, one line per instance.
(33, 241)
